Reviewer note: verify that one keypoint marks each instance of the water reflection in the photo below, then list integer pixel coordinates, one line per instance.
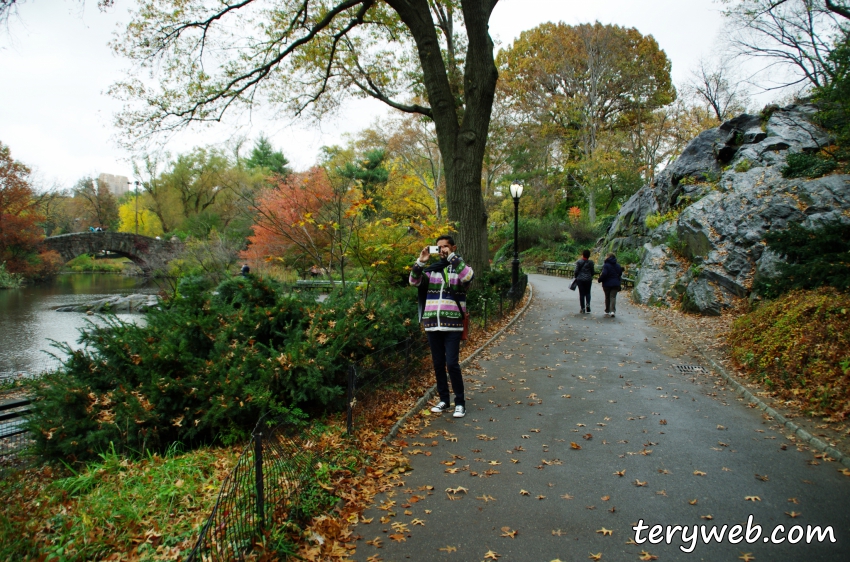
(28, 319)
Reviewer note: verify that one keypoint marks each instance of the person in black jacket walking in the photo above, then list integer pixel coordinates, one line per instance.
(611, 279)
(585, 270)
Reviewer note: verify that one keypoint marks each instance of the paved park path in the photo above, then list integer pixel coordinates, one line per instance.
(656, 444)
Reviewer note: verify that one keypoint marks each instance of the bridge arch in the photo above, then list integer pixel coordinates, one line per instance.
(148, 253)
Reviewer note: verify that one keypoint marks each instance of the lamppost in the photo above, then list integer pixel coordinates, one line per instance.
(136, 198)
(516, 193)
(137, 207)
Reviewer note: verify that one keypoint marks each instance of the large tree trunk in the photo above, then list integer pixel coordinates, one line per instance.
(461, 131)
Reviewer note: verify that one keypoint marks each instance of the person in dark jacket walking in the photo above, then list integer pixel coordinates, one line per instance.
(611, 279)
(584, 279)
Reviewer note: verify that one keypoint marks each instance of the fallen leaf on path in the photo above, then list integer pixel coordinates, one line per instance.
(597, 556)
(376, 542)
(644, 555)
(605, 531)
(523, 493)
(639, 484)
(747, 557)
(620, 473)
(699, 473)
(793, 514)
(574, 445)
(752, 498)
(508, 533)
(449, 549)
(491, 555)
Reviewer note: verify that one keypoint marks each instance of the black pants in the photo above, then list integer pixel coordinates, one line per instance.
(611, 298)
(445, 353)
(584, 293)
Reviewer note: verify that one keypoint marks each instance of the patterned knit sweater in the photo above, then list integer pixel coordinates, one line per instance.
(441, 311)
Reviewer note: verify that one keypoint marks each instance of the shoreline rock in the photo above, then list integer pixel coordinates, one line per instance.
(115, 304)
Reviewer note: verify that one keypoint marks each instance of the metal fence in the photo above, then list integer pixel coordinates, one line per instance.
(271, 476)
(13, 435)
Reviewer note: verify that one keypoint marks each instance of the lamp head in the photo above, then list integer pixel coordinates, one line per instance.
(516, 190)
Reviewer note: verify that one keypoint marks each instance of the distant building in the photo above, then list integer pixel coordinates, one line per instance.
(118, 185)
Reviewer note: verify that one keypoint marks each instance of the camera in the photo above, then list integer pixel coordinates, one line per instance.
(434, 249)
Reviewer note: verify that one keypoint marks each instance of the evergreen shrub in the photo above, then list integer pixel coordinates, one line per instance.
(813, 258)
(207, 365)
(805, 165)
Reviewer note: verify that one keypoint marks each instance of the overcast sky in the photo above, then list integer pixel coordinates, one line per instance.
(56, 66)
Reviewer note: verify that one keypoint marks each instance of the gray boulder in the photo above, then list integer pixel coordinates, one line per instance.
(724, 214)
(658, 273)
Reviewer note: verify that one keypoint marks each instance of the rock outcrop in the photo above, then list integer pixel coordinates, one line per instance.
(116, 304)
(723, 194)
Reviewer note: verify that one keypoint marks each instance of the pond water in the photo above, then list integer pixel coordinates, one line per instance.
(28, 319)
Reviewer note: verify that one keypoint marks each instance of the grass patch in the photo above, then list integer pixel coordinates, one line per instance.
(87, 264)
(151, 508)
(799, 346)
(743, 166)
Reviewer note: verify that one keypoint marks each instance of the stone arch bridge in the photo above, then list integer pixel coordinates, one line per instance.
(148, 253)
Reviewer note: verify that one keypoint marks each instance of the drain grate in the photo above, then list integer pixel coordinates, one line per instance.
(691, 369)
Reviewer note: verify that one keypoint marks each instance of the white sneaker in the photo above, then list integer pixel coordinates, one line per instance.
(612, 315)
(440, 407)
(460, 411)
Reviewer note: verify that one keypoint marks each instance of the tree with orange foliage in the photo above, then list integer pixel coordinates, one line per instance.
(307, 216)
(20, 233)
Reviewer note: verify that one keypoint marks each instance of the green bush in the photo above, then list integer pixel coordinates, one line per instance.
(582, 231)
(676, 245)
(805, 165)
(487, 287)
(655, 220)
(814, 258)
(205, 366)
(743, 166)
(9, 280)
(628, 256)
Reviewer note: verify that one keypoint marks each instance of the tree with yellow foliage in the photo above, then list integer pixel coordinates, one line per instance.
(134, 217)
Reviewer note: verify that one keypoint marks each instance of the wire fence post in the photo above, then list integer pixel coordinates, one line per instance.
(485, 315)
(407, 358)
(349, 419)
(258, 476)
